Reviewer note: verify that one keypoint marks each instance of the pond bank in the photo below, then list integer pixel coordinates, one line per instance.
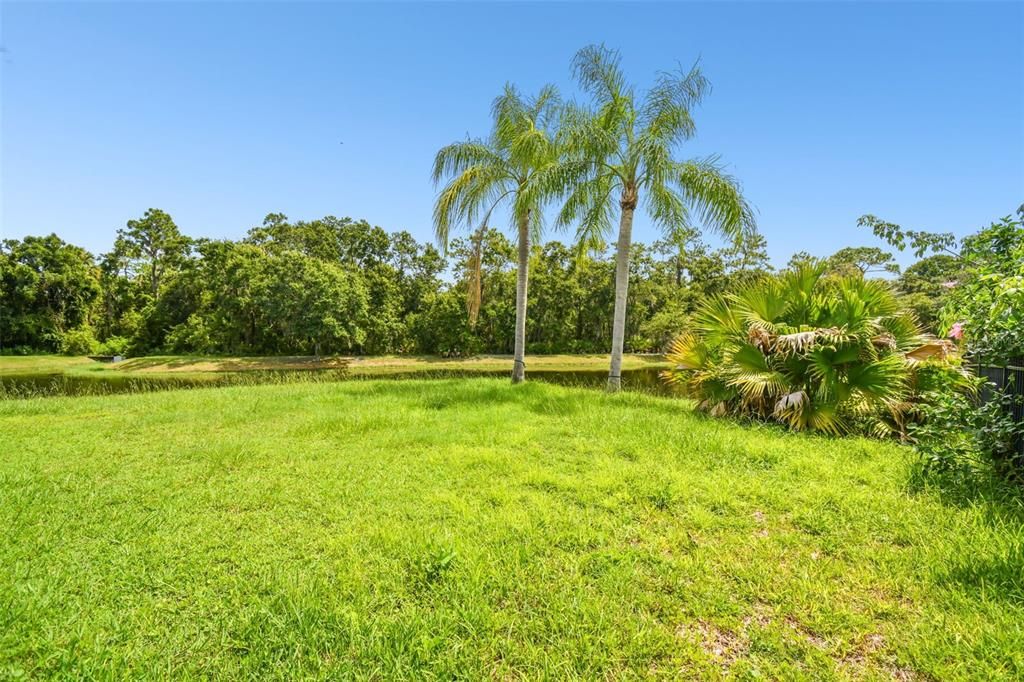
(155, 374)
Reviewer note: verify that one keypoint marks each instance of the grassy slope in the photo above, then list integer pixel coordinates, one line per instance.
(470, 527)
(11, 365)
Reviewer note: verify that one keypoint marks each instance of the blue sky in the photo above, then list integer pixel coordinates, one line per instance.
(222, 112)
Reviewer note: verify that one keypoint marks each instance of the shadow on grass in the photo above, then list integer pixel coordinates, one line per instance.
(998, 577)
(1001, 498)
(1001, 505)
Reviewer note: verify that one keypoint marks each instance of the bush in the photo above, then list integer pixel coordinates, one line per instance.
(78, 341)
(191, 336)
(957, 433)
(19, 350)
(641, 344)
(115, 345)
(832, 354)
(663, 327)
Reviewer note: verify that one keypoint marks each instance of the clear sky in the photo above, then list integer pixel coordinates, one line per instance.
(220, 113)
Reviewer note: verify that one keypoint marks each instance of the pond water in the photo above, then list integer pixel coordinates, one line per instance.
(109, 383)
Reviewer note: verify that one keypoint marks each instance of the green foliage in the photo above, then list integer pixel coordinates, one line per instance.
(988, 300)
(47, 287)
(961, 435)
(926, 284)
(151, 246)
(351, 287)
(520, 163)
(79, 341)
(813, 352)
(920, 241)
(114, 345)
(629, 143)
(862, 261)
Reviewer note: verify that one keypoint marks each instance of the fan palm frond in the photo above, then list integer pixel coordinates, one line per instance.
(809, 351)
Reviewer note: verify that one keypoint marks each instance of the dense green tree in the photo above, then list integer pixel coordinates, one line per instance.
(926, 284)
(986, 307)
(312, 304)
(47, 288)
(629, 144)
(152, 245)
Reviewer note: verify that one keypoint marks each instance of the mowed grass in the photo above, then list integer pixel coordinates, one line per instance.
(469, 528)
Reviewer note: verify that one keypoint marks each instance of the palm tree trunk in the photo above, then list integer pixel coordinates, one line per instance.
(522, 280)
(628, 205)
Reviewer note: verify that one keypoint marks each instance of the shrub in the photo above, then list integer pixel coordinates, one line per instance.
(190, 336)
(835, 354)
(78, 341)
(115, 345)
(957, 433)
(663, 327)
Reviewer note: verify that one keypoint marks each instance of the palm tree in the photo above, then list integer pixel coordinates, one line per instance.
(629, 148)
(519, 165)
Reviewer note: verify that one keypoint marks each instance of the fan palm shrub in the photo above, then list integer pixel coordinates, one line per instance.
(834, 354)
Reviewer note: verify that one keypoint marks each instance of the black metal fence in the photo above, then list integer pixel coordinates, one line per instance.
(1008, 379)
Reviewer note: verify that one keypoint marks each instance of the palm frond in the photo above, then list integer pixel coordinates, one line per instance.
(716, 197)
(597, 70)
(468, 196)
(666, 208)
(666, 110)
(590, 207)
(458, 157)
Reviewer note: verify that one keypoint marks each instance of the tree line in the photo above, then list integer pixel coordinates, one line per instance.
(340, 286)
(337, 285)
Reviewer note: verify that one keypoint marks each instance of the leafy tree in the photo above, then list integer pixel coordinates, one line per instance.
(801, 259)
(313, 304)
(629, 145)
(926, 284)
(122, 295)
(519, 164)
(862, 261)
(47, 287)
(920, 241)
(988, 301)
(747, 259)
(153, 245)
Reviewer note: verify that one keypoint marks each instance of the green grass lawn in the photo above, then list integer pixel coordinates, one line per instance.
(400, 529)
